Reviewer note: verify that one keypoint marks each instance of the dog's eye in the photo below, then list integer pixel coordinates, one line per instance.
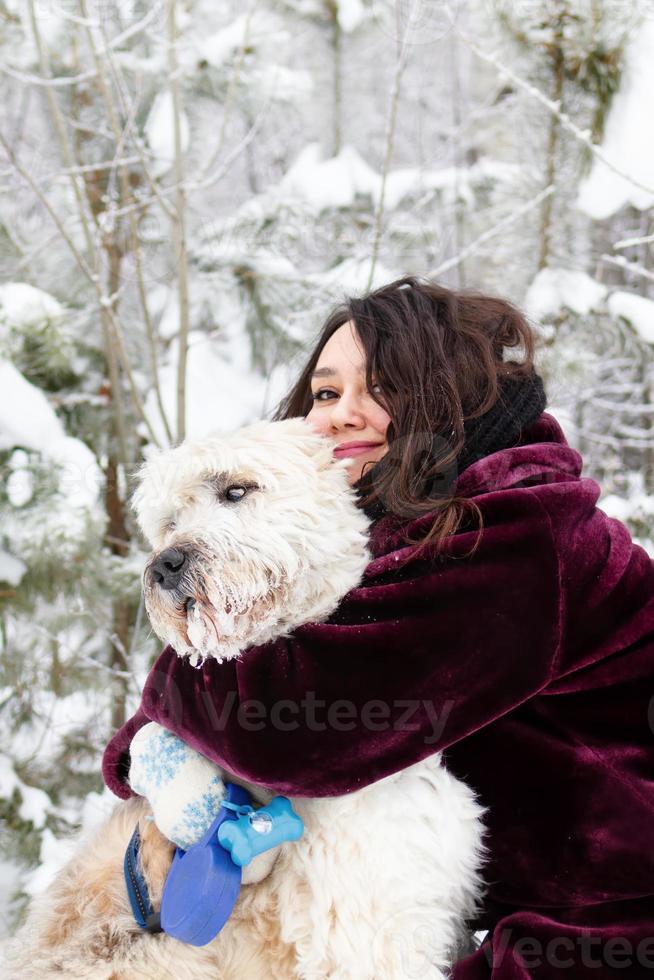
(238, 490)
(169, 525)
(235, 492)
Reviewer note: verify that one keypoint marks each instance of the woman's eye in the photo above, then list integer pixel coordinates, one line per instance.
(328, 391)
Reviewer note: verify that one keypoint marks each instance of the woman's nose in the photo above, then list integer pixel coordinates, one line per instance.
(347, 411)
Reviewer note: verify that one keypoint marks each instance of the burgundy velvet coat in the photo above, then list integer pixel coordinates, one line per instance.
(530, 663)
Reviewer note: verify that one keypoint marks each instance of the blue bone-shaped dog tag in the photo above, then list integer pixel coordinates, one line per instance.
(256, 831)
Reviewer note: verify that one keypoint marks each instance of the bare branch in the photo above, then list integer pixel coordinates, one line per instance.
(491, 232)
(61, 82)
(64, 146)
(104, 302)
(194, 185)
(60, 130)
(232, 156)
(155, 9)
(179, 224)
(127, 367)
(629, 242)
(231, 89)
(27, 177)
(131, 130)
(128, 198)
(623, 263)
(88, 168)
(554, 107)
(400, 65)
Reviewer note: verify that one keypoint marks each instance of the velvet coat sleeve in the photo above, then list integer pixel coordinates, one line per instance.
(420, 657)
(411, 662)
(606, 591)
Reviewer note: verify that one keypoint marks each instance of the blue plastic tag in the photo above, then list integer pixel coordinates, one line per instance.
(256, 831)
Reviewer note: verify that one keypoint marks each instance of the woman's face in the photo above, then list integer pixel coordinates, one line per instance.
(343, 408)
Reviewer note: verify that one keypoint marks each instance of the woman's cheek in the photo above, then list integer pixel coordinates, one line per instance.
(312, 421)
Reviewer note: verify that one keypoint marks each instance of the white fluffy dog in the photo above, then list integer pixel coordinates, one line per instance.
(272, 540)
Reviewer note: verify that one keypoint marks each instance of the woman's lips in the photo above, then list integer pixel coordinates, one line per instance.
(355, 450)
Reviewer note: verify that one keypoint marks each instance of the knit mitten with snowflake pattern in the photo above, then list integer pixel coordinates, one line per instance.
(183, 788)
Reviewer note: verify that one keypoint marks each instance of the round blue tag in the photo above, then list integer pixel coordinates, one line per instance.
(203, 883)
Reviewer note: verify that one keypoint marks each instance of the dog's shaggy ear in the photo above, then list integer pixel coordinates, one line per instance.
(140, 499)
(166, 479)
(311, 443)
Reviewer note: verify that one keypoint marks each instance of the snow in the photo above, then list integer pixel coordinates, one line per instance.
(337, 181)
(10, 880)
(28, 420)
(23, 306)
(452, 182)
(351, 13)
(231, 242)
(617, 507)
(635, 500)
(160, 132)
(56, 851)
(628, 138)
(20, 487)
(282, 83)
(636, 504)
(350, 277)
(637, 309)
(223, 44)
(222, 396)
(54, 33)
(566, 420)
(80, 478)
(332, 183)
(26, 417)
(63, 714)
(554, 289)
(34, 803)
(12, 569)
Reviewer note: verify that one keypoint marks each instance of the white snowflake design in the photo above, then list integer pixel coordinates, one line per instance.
(198, 815)
(163, 757)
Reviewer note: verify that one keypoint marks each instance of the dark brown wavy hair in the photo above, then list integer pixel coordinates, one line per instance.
(438, 355)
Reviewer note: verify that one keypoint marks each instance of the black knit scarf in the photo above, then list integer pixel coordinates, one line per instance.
(522, 400)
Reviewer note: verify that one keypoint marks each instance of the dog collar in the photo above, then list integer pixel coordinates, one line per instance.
(137, 889)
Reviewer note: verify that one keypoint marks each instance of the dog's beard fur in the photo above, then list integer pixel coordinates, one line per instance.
(221, 605)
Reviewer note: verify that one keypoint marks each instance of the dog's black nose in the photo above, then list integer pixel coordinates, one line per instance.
(167, 568)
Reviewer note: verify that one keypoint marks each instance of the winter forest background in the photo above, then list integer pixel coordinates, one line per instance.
(187, 187)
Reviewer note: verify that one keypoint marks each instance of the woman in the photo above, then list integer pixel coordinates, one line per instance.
(504, 619)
